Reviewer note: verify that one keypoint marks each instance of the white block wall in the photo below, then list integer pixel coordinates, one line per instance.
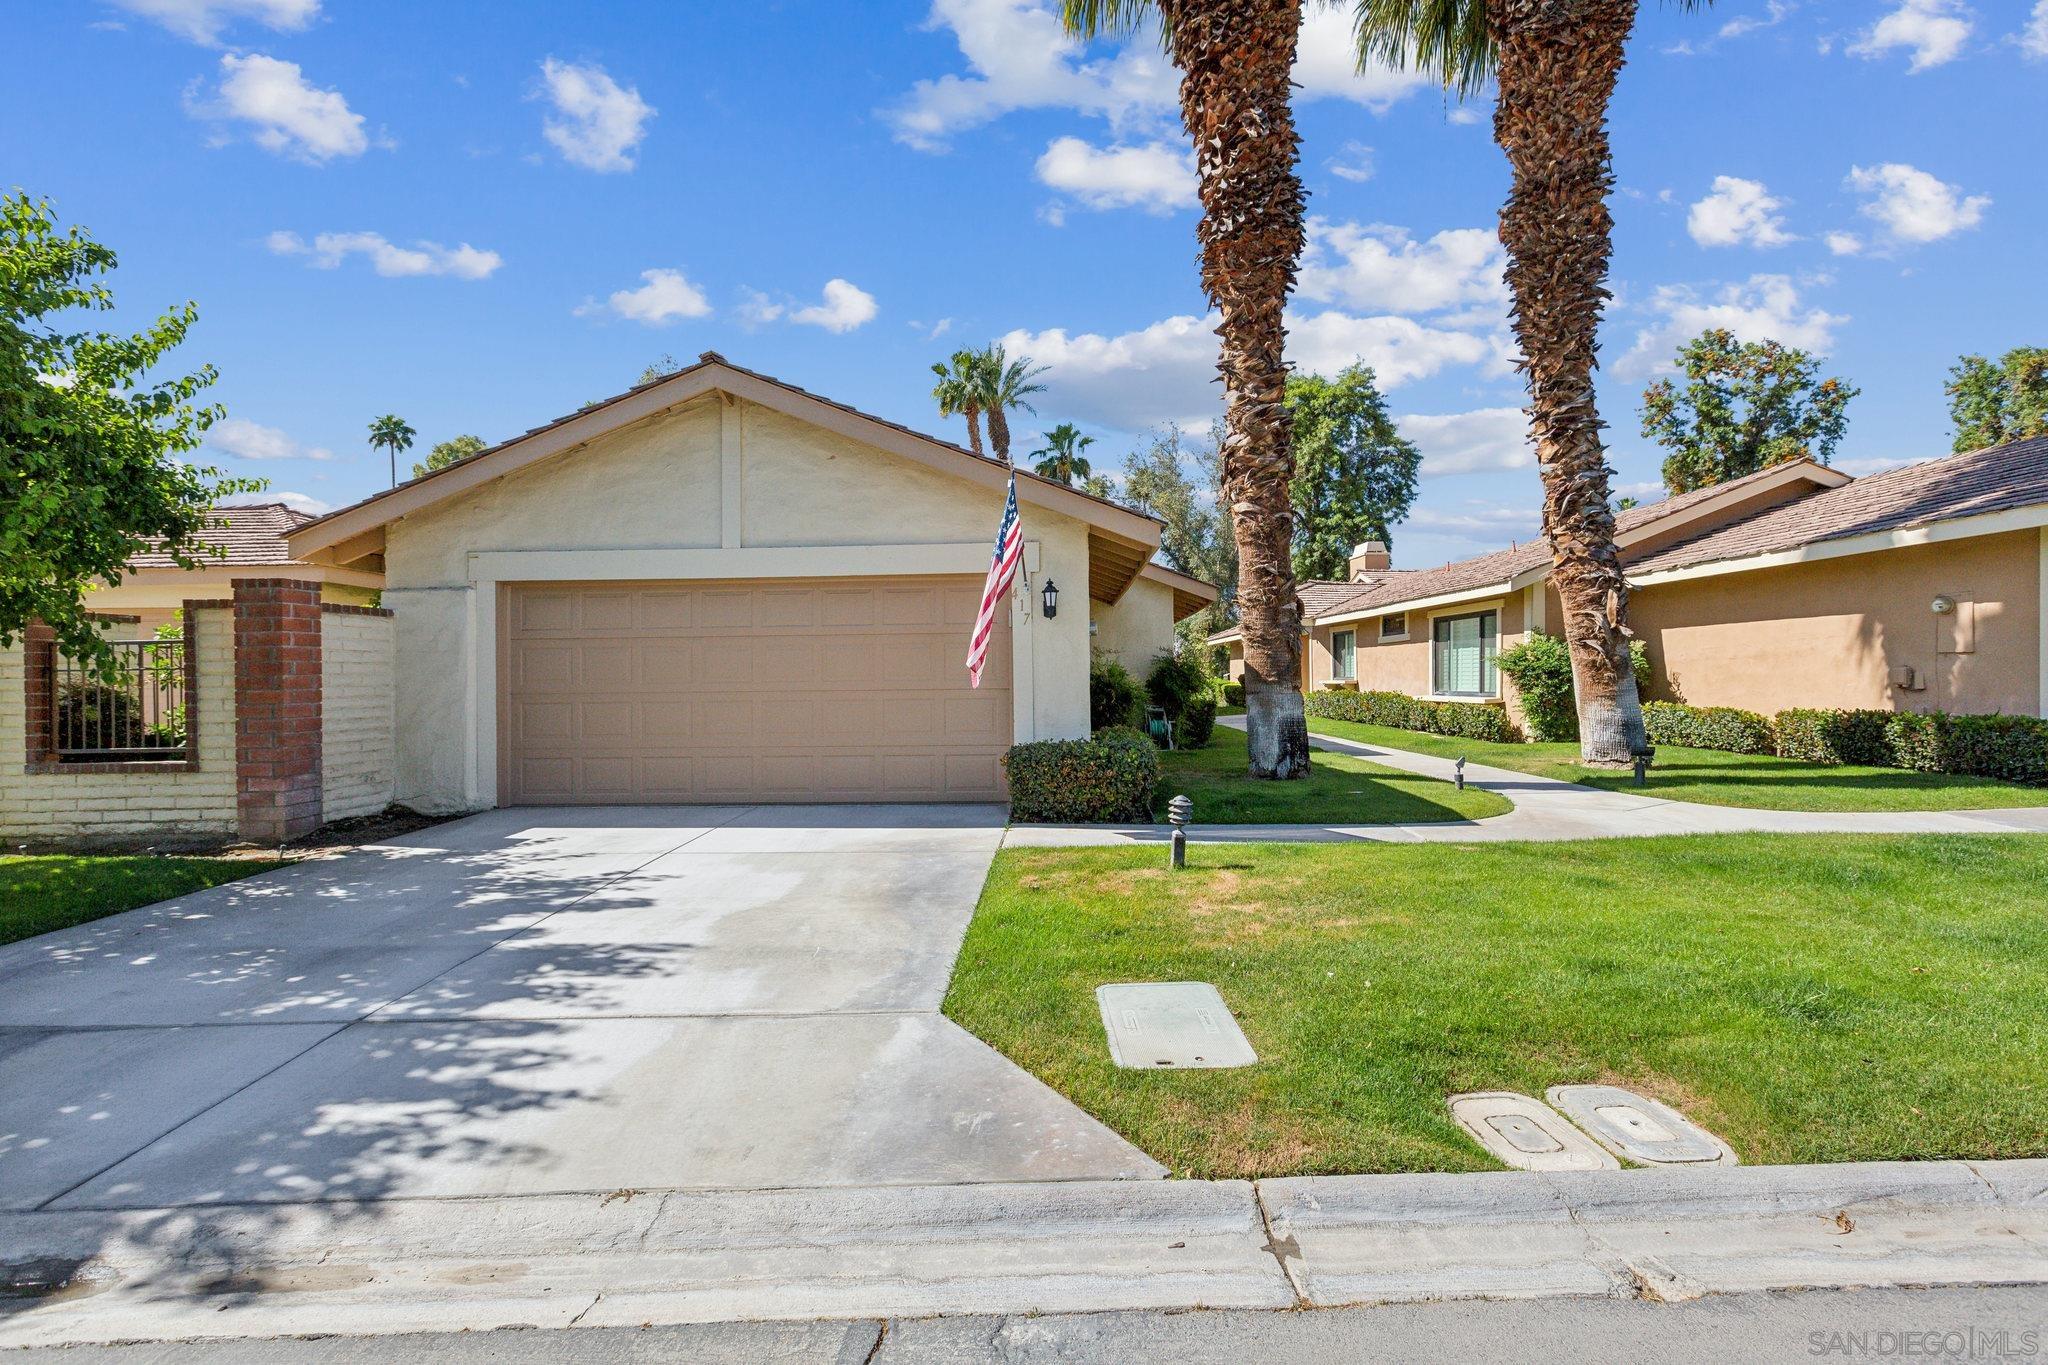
(197, 804)
(357, 754)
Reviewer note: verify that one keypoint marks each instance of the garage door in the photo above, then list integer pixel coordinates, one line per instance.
(763, 690)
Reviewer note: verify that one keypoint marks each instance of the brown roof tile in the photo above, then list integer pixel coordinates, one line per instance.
(251, 535)
(1995, 479)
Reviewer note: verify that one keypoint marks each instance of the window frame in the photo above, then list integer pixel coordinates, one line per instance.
(1400, 634)
(1352, 674)
(1437, 645)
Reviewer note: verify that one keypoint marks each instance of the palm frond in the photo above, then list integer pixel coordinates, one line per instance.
(1446, 38)
(1105, 18)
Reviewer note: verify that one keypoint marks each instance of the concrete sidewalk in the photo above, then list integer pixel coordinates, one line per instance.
(1545, 809)
(1093, 1246)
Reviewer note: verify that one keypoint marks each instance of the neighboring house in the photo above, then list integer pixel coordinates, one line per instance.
(251, 541)
(1920, 588)
(719, 587)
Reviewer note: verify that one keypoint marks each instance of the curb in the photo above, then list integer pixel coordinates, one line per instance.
(648, 1257)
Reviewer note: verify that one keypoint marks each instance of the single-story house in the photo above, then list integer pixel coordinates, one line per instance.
(251, 542)
(1920, 588)
(720, 587)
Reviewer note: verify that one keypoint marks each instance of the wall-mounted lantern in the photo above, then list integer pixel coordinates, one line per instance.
(1050, 597)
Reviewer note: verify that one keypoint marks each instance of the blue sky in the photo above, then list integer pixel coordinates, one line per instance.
(480, 216)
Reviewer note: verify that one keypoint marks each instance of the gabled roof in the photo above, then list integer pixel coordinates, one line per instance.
(1190, 594)
(1121, 540)
(252, 535)
(1976, 483)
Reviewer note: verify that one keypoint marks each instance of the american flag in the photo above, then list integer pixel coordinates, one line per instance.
(1009, 554)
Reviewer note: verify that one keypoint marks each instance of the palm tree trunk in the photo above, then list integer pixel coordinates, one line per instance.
(1236, 58)
(999, 432)
(1558, 63)
(973, 428)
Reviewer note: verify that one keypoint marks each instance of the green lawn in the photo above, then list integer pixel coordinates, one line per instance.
(1339, 789)
(1837, 999)
(1716, 778)
(38, 895)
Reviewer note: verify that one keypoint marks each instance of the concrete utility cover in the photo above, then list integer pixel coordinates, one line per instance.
(1526, 1133)
(1156, 1024)
(1640, 1129)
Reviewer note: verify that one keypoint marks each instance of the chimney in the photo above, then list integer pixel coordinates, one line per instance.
(1370, 558)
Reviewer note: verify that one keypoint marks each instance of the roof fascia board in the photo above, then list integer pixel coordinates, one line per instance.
(1933, 533)
(1174, 578)
(1484, 592)
(1777, 476)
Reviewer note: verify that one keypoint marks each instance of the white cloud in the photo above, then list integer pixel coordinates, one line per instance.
(844, 307)
(2033, 40)
(289, 115)
(298, 502)
(328, 249)
(203, 20)
(1775, 12)
(1374, 266)
(1167, 372)
(1934, 31)
(1153, 176)
(1485, 440)
(1762, 308)
(1356, 163)
(1326, 64)
(1019, 57)
(247, 440)
(1845, 243)
(664, 297)
(1738, 212)
(1913, 205)
(600, 122)
(1488, 521)
(1464, 115)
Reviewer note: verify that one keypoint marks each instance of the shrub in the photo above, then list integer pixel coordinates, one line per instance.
(1468, 720)
(1541, 669)
(1197, 724)
(1233, 694)
(1111, 777)
(2009, 748)
(1113, 696)
(1708, 727)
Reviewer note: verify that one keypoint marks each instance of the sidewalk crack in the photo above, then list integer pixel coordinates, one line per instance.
(1280, 1248)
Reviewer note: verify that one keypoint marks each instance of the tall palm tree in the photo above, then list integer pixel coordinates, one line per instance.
(957, 396)
(391, 432)
(1557, 62)
(1061, 458)
(999, 384)
(1235, 58)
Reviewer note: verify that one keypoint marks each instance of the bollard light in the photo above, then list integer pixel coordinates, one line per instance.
(1642, 762)
(1178, 812)
(1459, 772)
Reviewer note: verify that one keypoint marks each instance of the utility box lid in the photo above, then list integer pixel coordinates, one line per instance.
(1639, 1128)
(1171, 1024)
(1526, 1133)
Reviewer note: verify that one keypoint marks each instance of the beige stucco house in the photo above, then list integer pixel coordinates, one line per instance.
(251, 544)
(1920, 588)
(717, 586)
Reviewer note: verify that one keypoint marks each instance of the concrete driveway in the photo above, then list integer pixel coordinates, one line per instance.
(528, 1001)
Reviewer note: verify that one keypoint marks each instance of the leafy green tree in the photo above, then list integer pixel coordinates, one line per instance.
(391, 432)
(1354, 475)
(445, 453)
(91, 431)
(1061, 456)
(1993, 402)
(1745, 406)
(1197, 539)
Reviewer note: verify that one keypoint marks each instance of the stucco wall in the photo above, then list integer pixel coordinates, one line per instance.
(1403, 665)
(156, 595)
(357, 770)
(721, 489)
(83, 807)
(1829, 633)
(1138, 628)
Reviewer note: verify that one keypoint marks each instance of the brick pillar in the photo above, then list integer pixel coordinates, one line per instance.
(277, 708)
(39, 659)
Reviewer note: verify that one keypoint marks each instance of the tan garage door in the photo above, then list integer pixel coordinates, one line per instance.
(765, 690)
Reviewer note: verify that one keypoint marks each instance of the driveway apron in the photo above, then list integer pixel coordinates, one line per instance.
(534, 1001)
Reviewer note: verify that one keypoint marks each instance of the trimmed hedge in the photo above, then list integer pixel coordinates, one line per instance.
(1233, 694)
(2009, 748)
(1114, 697)
(1112, 777)
(1197, 724)
(1541, 669)
(1398, 710)
(1707, 727)
(1179, 686)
